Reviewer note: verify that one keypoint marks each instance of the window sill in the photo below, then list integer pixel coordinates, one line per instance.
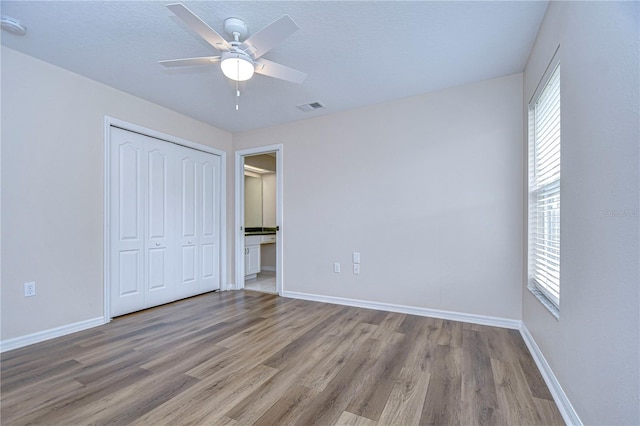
(553, 309)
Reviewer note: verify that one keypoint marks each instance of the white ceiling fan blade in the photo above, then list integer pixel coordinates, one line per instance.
(200, 28)
(275, 70)
(205, 60)
(265, 39)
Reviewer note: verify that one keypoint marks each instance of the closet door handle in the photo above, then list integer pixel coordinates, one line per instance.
(157, 244)
(188, 242)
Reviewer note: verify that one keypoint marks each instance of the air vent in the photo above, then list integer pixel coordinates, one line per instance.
(311, 106)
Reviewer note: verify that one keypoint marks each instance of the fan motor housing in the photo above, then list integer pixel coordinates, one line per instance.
(236, 25)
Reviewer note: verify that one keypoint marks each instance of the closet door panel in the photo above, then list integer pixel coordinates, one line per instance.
(129, 279)
(159, 222)
(126, 222)
(187, 209)
(157, 263)
(129, 193)
(209, 168)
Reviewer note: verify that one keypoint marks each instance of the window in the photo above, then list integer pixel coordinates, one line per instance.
(544, 193)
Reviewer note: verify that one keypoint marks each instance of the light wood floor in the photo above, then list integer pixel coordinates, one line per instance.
(252, 358)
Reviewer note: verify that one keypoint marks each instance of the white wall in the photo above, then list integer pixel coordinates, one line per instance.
(593, 348)
(52, 188)
(263, 161)
(252, 201)
(268, 251)
(268, 257)
(428, 189)
(269, 200)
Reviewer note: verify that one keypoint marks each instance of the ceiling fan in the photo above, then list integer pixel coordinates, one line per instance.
(239, 59)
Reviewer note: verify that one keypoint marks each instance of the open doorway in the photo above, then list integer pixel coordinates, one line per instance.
(259, 216)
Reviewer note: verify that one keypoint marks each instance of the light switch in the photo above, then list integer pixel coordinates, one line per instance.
(336, 267)
(356, 257)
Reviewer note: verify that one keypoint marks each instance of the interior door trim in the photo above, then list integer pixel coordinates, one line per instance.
(239, 219)
(110, 122)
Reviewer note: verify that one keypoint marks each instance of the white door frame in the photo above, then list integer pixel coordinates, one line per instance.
(239, 228)
(114, 122)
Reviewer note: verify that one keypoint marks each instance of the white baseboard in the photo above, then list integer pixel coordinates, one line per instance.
(412, 310)
(564, 405)
(40, 336)
(268, 268)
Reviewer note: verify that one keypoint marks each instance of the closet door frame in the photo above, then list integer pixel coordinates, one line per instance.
(110, 122)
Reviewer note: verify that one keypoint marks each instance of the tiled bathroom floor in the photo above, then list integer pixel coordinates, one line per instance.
(264, 282)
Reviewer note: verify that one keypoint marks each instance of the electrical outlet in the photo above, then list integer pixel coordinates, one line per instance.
(30, 289)
(336, 267)
(356, 268)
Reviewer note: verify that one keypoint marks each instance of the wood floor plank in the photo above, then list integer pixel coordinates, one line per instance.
(63, 409)
(516, 403)
(262, 400)
(387, 330)
(404, 405)
(242, 358)
(328, 405)
(38, 374)
(377, 382)
(19, 407)
(111, 369)
(548, 411)
(281, 412)
(451, 334)
(285, 327)
(350, 419)
(310, 373)
(299, 345)
(332, 356)
(205, 399)
(536, 383)
(263, 346)
(442, 405)
(478, 387)
(125, 409)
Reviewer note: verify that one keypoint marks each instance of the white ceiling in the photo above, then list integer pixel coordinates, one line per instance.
(355, 53)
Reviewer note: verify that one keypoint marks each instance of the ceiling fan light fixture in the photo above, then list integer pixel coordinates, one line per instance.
(237, 66)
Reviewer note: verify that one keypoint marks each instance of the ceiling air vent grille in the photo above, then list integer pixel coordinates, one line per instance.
(311, 106)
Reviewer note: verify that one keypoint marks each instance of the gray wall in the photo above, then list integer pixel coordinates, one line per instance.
(427, 189)
(52, 188)
(593, 347)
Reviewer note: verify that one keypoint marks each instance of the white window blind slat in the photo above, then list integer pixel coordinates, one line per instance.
(544, 191)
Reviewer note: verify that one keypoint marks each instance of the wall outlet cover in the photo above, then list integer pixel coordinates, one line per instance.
(30, 289)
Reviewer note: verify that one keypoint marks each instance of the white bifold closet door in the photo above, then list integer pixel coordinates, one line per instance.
(164, 222)
(197, 212)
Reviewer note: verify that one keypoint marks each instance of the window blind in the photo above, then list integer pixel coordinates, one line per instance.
(544, 191)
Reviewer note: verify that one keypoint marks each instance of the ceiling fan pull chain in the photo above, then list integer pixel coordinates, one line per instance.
(237, 93)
